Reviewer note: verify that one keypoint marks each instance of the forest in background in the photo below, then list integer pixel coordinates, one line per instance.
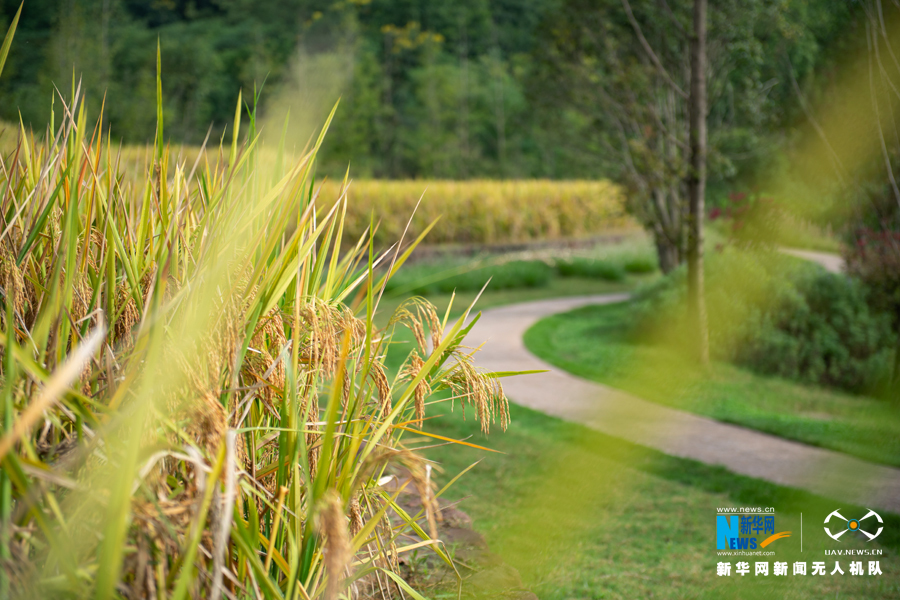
(476, 88)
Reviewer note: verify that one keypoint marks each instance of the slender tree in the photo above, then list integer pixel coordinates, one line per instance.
(695, 177)
(696, 182)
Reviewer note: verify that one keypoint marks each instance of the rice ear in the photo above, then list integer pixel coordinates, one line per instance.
(13, 283)
(411, 370)
(382, 386)
(474, 387)
(207, 423)
(414, 314)
(128, 314)
(356, 516)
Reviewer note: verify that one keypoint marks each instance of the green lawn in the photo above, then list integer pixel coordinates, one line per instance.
(593, 343)
(583, 515)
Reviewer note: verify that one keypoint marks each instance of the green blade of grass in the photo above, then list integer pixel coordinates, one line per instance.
(7, 41)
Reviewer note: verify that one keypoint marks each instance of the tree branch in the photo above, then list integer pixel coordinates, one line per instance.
(871, 37)
(650, 53)
(673, 18)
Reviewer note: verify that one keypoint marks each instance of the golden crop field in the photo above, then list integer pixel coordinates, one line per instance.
(484, 212)
(469, 212)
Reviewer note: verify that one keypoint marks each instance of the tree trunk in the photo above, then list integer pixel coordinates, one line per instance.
(667, 252)
(696, 183)
(894, 387)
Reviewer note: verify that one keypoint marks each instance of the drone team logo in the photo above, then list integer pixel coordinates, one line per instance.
(843, 525)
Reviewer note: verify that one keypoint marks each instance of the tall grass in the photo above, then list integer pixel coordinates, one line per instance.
(488, 212)
(194, 396)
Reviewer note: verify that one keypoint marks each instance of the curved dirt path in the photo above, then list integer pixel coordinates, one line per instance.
(669, 430)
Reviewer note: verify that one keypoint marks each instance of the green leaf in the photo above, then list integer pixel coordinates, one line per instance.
(498, 374)
(159, 104)
(7, 41)
(404, 586)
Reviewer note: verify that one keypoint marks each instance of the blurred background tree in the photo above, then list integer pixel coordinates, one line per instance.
(476, 88)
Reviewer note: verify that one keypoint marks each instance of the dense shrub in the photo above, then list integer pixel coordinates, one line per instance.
(428, 279)
(442, 276)
(874, 258)
(521, 274)
(594, 269)
(641, 264)
(777, 316)
(826, 333)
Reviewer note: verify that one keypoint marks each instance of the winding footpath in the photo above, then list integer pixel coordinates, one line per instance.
(616, 413)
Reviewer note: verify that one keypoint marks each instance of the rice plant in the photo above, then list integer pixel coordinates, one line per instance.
(194, 396)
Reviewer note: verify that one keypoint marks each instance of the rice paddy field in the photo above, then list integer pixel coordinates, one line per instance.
(453, 213)
(486, 212)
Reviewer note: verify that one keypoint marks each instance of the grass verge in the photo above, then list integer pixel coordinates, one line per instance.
(584, 515)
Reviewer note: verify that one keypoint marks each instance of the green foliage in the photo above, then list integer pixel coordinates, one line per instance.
(778, 316)
(594, 64)
(823, 333)
(585, 267)
(451, 90)
(640, 264)
(874, 258)
(434, 278)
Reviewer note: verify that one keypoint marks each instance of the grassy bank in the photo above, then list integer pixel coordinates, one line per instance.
(593, 343)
